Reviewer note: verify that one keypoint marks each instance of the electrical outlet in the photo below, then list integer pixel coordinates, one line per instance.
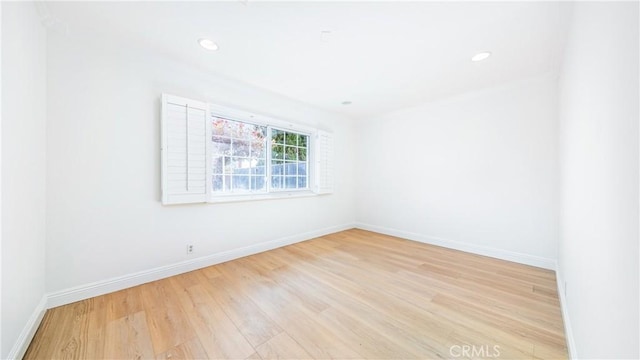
(189, 249)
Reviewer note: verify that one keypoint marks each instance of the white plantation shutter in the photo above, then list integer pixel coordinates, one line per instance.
(324, 162)
(184, 150)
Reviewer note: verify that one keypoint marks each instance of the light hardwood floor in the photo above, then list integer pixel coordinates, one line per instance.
(349, 295)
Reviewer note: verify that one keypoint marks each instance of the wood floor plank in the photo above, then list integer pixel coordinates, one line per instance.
(254, 324)
(96, 331)
(349, 295)
(168, 324)
(128, 338)
(47, 338)
(373, 342)
(293, 316)
(68, 344)
(123, 303)
(220, 338)
(408, 323)
(254, 356)
(282, 346)
(189, 350)
(210, 272)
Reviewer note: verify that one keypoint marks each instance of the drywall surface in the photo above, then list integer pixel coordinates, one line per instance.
(598, 252)
(23, 170)
(105, 218)
(476, 172)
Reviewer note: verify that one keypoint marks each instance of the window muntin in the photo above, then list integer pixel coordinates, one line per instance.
(239, 158)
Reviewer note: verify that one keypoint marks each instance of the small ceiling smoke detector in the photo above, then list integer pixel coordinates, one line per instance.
(481, 56)
(346, 102)
(208, 44)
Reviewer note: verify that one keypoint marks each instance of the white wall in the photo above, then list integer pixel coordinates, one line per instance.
(482, 174)
(1, 180)
(104, 214)
(598, 253)
(23, 171)
(476, 172)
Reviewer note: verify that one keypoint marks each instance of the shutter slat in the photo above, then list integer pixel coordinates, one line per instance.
(183, 176)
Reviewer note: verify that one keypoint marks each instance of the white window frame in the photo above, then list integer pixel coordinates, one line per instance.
(319, 156)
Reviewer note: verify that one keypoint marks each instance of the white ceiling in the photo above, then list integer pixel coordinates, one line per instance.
(381, 56)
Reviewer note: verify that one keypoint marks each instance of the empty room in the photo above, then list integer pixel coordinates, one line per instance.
(319, 180)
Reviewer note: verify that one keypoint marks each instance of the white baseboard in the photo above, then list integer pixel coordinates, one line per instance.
(98, 288)
(568, 331)
(29, 330)
(513, 256)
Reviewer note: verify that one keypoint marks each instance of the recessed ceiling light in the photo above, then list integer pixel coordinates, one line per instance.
(481, 56)
(346, 103)
(208, 44)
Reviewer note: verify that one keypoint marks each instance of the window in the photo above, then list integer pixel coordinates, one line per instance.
(240, 157)
(289, 160)
(212, 153)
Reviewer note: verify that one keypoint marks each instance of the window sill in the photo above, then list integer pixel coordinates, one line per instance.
(259, 197)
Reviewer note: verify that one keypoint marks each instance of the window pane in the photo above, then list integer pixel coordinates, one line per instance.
(291, 139)
(258, 170)
(302, 140)
(248, 131)
(302, 182)
(221, 183)
(302, 154)
(232, 129)
(227, 165)
(218, 126)
(240, 148)
(259, 132)
(217, 165)
(257, 183)
(221, 145)
(241, 182)
(276, 182)
(290, 168)
(302, 168)
(258, 147)
(290, 153)
(217, 183)
(277, 152)
(277, 168)
(241, 166)
(277, 136)
(291, 182)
